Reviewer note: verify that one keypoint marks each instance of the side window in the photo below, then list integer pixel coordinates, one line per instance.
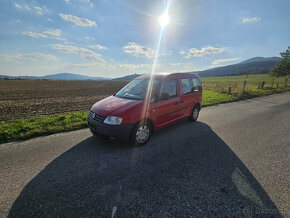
(168, 90)
(190, 85)
(196, 85)
(154, 98)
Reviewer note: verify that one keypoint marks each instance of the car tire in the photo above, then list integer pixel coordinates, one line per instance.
(194, 114)
(141, 133)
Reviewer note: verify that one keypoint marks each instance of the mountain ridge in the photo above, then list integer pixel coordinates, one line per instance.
(255, 65)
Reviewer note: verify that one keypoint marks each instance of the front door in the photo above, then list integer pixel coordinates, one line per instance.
(166, 110)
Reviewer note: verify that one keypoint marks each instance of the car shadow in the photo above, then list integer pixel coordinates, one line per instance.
(185, 170)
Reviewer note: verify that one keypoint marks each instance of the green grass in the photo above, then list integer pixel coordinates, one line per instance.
(222, 83)
(214, 98)
(215, 92)
(28, 128)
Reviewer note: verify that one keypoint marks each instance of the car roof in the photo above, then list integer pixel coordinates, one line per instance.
(163, 75)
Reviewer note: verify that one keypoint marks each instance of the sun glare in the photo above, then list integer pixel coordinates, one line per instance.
(164, 19)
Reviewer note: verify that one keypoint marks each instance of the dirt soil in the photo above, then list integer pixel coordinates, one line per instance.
(34, 98)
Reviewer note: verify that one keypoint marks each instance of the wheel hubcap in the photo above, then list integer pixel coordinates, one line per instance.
(142, 134)
(195, 114)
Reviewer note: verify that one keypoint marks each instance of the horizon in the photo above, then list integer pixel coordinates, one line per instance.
(79, 74)
(115, 38)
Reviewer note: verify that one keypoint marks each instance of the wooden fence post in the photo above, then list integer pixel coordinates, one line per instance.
(245, 83)
(230, 89)
(263, 83)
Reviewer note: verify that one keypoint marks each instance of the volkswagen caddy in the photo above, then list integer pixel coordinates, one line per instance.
(146, 104)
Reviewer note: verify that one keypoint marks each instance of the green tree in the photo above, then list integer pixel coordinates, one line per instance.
(282, 68)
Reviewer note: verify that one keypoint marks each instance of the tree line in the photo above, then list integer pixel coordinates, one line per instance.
(282, 68)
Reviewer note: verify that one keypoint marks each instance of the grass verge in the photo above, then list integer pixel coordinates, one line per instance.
(28, 128)
(213, 98)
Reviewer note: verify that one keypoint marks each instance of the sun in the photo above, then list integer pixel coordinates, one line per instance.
(164, 19)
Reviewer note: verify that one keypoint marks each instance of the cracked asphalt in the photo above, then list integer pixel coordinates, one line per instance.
(233, 162)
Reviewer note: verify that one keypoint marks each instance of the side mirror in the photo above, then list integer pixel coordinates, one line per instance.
(195, 89)
(164, 96)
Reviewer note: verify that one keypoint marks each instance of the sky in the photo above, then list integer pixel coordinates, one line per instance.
(113, 38)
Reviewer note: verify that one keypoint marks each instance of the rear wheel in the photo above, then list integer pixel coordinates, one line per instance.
(194, 114)
(141, 133)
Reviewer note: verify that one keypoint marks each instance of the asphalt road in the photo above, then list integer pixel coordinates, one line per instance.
(233, 162)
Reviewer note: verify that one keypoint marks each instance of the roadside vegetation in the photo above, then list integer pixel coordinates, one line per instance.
(28, 128)
(233, 88)
(216, 91)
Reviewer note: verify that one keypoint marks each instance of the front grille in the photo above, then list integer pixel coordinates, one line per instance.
(96, 117)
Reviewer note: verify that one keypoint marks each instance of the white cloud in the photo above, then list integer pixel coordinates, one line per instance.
(34, 34)
(139, 50)
(53, 32)
(14, 21)
(22, 6)
(251, 19)
(31, 56)
(38, 10)
(90, 4)
(99, 47)
(216, 66)
(87, 3)
(194, 52)
(17, 5)
(133, 66)
(86, 54)
(219, 61)
(59, 38)
(175, 64)
(83, 22)
(89, 38)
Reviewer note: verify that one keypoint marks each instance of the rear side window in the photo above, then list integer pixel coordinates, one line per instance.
(190, 85)
(170, 87)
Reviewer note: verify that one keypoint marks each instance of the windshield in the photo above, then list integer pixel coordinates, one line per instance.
(137, 89)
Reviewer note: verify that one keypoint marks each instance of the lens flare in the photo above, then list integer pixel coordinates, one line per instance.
(164, 19)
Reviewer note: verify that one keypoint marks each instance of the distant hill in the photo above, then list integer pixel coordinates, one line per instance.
(257, 65)
(70, 76)
(59, 76)
(128, 77)
(258, 59)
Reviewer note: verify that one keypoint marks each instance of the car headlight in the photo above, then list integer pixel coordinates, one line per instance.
(113, 120)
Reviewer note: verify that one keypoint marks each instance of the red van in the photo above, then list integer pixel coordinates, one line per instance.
(146, 104)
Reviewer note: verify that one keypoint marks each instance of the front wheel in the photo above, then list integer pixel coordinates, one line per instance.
(141, 133)
(194, 114)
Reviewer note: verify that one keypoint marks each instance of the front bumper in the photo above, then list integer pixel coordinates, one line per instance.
(119, 131)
